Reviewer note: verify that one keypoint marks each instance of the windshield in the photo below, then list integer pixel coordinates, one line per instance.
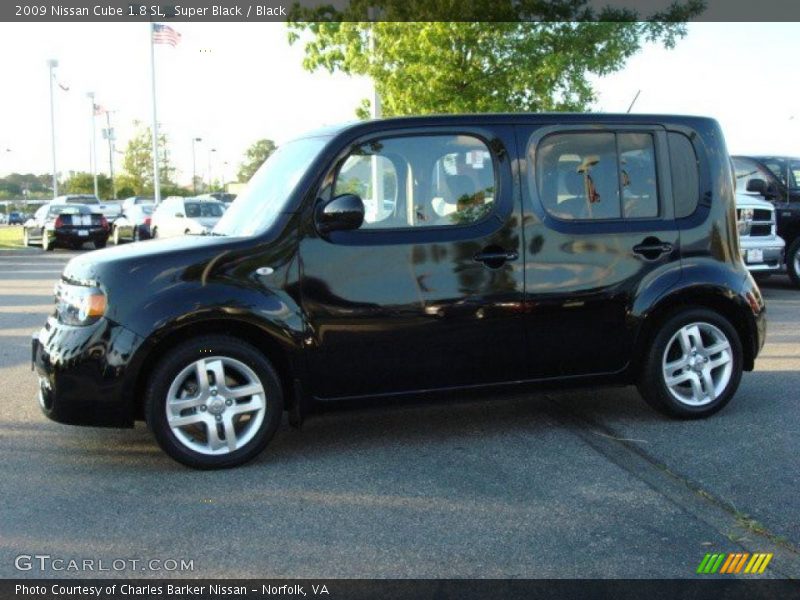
(781, 168)
(83, 199)
(265, 196)
(61, 209)
(196, 210)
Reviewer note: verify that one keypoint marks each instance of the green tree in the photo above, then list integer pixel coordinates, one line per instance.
(526, 55)
(254, 158)
(138, 163)
(80, 182)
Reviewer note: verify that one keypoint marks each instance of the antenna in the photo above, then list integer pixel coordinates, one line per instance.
(635, 98)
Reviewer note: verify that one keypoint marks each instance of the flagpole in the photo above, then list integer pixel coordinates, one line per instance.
(94, 145)
(156, 178)
(52, 64)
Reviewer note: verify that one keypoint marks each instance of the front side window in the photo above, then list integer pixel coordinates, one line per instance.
(420, 181)
(785, 170)
(591, 176)
(747, 170)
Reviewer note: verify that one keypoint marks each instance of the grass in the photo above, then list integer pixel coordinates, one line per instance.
(11, 237)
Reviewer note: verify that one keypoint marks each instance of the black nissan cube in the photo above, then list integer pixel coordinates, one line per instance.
(408, 257)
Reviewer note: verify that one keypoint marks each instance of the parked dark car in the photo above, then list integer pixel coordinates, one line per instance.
(15, 218)
(776, 178)
(134, 223)
(409, 257)
(66, 225)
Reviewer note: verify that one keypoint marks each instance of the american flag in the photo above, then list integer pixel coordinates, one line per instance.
(164, 34)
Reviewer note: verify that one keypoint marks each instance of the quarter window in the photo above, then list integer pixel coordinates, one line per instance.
(590, 176)
(685, 174)
(420, 181)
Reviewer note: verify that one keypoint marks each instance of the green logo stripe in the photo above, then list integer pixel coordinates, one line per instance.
(701, 568)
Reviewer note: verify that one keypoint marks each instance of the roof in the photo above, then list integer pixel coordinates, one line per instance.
(499, 118)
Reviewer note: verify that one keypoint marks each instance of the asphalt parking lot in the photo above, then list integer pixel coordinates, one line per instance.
(587, 483)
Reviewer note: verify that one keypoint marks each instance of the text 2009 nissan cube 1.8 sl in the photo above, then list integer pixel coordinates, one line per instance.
(411, 256)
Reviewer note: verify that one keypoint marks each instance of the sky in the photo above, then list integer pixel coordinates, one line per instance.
(232, 84)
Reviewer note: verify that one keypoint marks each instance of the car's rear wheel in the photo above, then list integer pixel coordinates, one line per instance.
(793, 262)
(693, 366)
(214, 402)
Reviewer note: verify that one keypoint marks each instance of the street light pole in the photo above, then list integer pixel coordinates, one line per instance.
(210, 150)
(194, 165)
(111, 137)
(52, 64)
(90, 95)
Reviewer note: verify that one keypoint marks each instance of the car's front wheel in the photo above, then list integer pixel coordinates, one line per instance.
(214, 402)
(793, 262)
(693, 366)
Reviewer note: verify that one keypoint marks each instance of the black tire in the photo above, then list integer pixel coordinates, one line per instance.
(154, 233)
(652, 385)
(184, 355)
(793, 262)
(100, 244)
(762, 277)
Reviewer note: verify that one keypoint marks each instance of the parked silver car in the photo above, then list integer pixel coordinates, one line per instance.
(185, 216)
(134, 223)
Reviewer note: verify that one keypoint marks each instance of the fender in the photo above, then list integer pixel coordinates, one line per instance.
(701, 284)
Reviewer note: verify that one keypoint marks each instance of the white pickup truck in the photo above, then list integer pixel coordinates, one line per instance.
(762, 248)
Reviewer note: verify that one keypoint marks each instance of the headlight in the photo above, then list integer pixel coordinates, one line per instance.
(79, 304)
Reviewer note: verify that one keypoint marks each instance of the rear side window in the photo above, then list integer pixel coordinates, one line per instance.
(593, 176)
(685, 174)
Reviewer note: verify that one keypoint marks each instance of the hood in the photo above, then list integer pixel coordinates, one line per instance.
(126, 260)
(748, 201)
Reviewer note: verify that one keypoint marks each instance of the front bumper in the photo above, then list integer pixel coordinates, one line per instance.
(82, 373)
(772, 249)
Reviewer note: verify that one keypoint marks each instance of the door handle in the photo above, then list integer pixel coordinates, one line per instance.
(495, 257)
(652, 248)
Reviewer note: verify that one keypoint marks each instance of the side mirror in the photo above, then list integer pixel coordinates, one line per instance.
(757, 185)
(180, 215)
(342, 213)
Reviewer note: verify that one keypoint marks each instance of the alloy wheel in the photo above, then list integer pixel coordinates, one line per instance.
(215, 405)
(697, 364)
